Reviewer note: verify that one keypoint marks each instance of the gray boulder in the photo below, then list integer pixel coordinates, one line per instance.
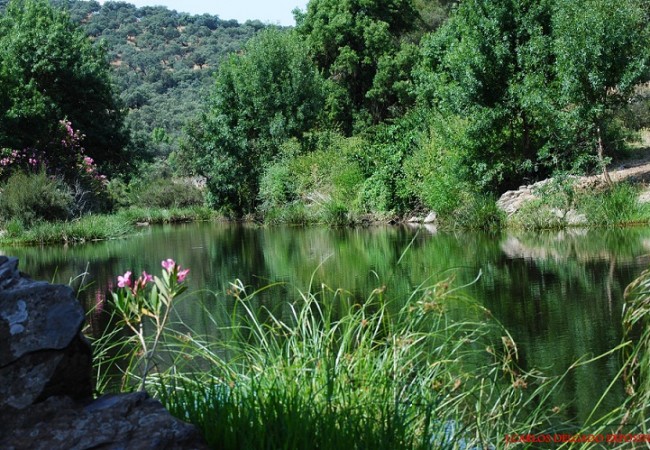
(42, 350)
(126, 421)
(46, 380)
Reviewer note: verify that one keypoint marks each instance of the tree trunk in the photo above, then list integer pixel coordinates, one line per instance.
(601, 157)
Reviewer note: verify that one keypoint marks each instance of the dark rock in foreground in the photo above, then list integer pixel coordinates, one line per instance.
(46, 382)
(126, 421)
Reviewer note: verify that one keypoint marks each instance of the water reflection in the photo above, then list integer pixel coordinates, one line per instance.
(560, 294)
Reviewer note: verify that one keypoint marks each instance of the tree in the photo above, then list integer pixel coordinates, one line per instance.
(49, 71)
(349, 40)
(489, 67)
(264, 95)
(531, 82)
(602, 51)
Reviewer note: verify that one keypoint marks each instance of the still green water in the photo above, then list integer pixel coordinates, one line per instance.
(559, 294)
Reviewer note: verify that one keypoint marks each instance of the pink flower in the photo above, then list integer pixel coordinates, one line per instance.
(146, 277)
(182, 274)
(141, 282)
(168, 265)
(124, 280)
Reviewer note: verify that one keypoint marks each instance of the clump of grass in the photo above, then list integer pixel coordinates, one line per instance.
(636, 324)
(87, 228)
(616, 205)
(333, 372)
(136, 215)
(477, 212)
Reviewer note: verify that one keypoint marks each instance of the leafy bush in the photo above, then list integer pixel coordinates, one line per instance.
(30, 198)
(321, 185)
(277, 187)
(164, 193)
(433, 176)
(478, 211)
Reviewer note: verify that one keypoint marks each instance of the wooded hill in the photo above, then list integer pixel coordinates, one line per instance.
(163, 63)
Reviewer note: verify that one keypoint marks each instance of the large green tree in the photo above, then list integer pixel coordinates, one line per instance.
(601, 50)
(527, 83)
(352, 41)
(49, 70)
(266, 94)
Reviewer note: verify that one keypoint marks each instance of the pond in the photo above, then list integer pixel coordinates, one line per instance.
(559, 294)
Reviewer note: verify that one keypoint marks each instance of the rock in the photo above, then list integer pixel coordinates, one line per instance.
(46, 380)
(415, 219)
(42, 350)
(127, 421)
(431, 229)
(432, 217)
(644, 196)
(511, 201)
(575, 219)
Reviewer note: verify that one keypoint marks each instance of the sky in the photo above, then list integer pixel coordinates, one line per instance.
(267, 11)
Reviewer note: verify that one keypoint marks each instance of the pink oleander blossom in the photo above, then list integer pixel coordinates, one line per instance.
(168, 265)
(142, 281)
(182, 274)
(124, 280)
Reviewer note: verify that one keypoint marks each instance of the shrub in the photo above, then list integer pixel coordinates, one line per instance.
(34, 197)
(321, 185)
(164, 193)
(478, 211)
(277, 187)
(434, 176)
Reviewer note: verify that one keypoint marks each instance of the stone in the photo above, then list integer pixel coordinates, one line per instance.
(575, 219)
(42, 350)
(432, 217)
(126, 421)
(46, 380)
(414, 219)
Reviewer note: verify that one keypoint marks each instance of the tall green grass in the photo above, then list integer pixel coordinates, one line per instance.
(88, 228)
(155, 215)
(96, 227)
(329, 371)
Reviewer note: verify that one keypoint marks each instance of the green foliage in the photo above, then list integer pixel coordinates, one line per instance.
(476, 212)
(601, 50)
(382, 162)
(163, 63)
(165, 193)
(488, 65)
(30, 198)
(321, 185)
(357, 46)
(615, 205)
(533, 81)
(50, 70)
(267, 94)
(334, 371)
(88, 228)
(434, 173)
(138, 215)
(635, 325)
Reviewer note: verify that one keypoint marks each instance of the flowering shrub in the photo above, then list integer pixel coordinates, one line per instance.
(65, 158)
(148, 296)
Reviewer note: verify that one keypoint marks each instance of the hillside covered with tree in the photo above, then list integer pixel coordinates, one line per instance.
(365, 108)
(163, 63)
